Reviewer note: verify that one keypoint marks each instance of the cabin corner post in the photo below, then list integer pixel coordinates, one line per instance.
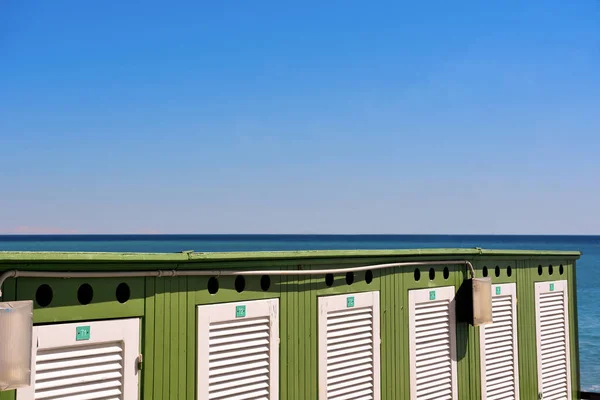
(574, 329)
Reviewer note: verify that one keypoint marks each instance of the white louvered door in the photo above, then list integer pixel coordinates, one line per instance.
(238, 351)
(552, 331)
(85, 361)
(349, 347)
(432, 336)
(498, 347)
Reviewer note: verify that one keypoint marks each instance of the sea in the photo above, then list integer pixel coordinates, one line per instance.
(588, 268)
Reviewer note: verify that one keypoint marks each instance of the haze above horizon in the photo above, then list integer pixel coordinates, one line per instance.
(341, 118)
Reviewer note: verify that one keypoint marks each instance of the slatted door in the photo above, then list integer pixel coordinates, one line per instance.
(552, 331)
(432, 337)
(85, 361)
(238, 350)
(349, 347)
(498, 347)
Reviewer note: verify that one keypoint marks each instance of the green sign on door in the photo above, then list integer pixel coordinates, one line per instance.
(432, 295)
(240, 311)
(82, 333)
(350, 301)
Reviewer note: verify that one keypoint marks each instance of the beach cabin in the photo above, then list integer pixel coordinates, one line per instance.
(468, 324)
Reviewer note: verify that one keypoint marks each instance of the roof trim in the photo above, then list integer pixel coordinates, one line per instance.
(190, 256)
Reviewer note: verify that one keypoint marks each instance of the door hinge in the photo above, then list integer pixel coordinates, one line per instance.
(140, 362)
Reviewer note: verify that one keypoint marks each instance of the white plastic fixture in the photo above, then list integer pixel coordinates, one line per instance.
(498, 346)
(238, 350)
(85, 360)
(552, 333)
(16, 328)
(432, 342)
(349, 346)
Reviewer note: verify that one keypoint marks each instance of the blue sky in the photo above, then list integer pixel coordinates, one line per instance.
(314, 117)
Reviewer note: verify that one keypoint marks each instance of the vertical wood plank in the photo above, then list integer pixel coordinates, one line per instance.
(159, 335)
(149, 340)
(182, 337)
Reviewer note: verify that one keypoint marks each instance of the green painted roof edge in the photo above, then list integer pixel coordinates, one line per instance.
(13, 256)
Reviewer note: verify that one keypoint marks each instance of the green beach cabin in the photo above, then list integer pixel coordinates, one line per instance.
(406, 324)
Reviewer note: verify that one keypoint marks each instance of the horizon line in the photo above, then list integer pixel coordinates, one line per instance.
(298, 234)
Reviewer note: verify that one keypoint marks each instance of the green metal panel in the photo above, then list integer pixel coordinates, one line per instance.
(299, 330)
(198, 295)
(545, 270)
(310, 339)
(499, 270)
(455, 276)
(391, 320)
(528, 273)
(526, 332)
(66, 307)
(167, 307)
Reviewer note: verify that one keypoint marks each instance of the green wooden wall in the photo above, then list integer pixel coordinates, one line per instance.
(167, 308)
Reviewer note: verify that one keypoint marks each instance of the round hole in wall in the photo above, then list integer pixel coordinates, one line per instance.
(44, 295)
(508, 271)
(561, 270)
(540, 270)
(213, 285)
(431, 274)
(265, 282)
(123, 293)
(550, 269)
(446, 272)
(349, 278)
(329, 280)
(497, 271)
(240, 284)
(485, 272)
(369, 276)
(417, 274)
(85, 294)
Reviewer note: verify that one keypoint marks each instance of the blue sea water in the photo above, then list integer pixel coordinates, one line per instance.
(588, 275)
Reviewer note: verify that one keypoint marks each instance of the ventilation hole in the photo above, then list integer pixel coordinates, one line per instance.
(213, 285)
(550, 269)
(417, 275)
(508, 271)
(123, 292)
(265, 282)
(497, 271)
(44, 295)
(349, 278)
(85, 294)
(446, 273)
(485, 272)
(540, 270)
(369, 276)
(561, 270)
(431, 274)
(329, 280)
(240, 284)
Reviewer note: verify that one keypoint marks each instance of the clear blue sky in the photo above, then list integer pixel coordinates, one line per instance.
(319, 117)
